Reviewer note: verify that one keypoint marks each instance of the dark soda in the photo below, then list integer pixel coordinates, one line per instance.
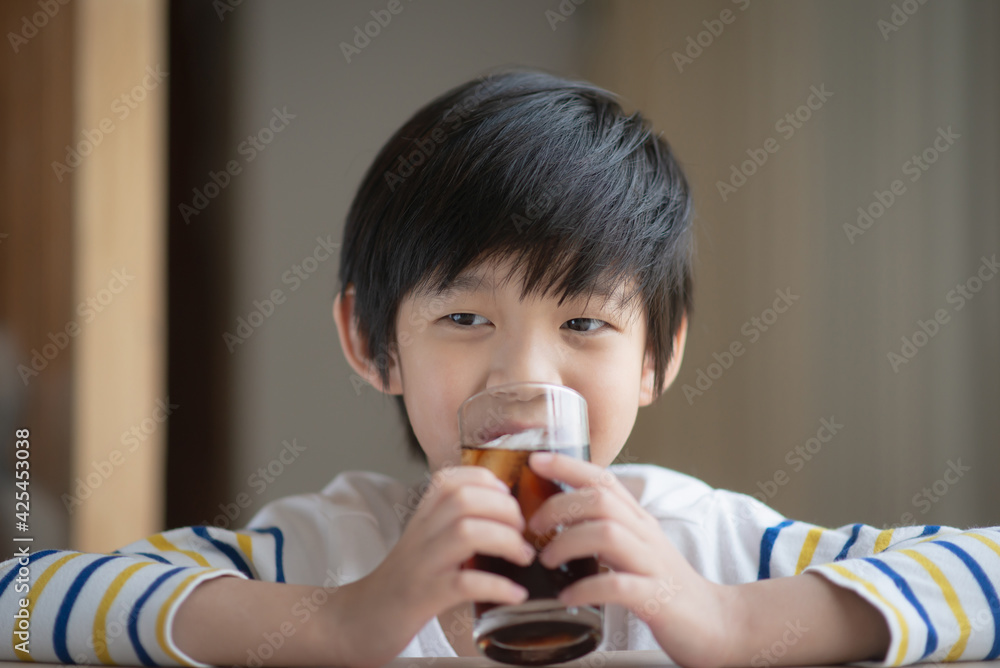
(537, 641)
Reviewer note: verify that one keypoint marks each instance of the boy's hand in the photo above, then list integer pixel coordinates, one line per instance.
(466, 510)
(686, 613)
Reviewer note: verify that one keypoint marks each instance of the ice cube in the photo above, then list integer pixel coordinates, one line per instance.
(527, 439)
(504, 464)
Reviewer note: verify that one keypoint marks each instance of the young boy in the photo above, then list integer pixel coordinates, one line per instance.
(518, 228)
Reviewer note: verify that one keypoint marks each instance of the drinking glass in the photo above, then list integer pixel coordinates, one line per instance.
(499, 429)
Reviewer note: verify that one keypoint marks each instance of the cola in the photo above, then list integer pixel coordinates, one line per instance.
(540, 638)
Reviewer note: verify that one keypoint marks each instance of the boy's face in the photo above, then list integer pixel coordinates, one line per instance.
(479, 334)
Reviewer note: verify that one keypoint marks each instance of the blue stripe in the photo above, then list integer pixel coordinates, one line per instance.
(932, 636)
(850, 543)
(227, 550)
(154, 557)
(12, 573)
(766, 545)
(133, 620)
(66, 607)
(929, 530)
(279, 541)
(988, 591)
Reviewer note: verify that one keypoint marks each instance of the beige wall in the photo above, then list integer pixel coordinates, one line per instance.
(826, 356)
(784, 228)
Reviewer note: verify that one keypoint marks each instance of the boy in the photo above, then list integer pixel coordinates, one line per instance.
(518, 228)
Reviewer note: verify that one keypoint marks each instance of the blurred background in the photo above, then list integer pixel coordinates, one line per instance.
(175, 178)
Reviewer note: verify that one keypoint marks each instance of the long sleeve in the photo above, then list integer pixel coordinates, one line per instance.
(118, 608)
(936, 587)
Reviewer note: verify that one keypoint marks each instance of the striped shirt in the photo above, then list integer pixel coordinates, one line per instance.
(936, 587)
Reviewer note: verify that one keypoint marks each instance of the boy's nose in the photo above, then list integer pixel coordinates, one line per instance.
(526, 359)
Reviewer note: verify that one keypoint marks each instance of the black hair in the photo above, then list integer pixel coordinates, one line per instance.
(525, 165)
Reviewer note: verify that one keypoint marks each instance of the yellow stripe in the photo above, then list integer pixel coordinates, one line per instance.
(164, 545)
(905, 631)
(985, 541)
(808, 549)
(34, 592)
(161, 619)
(951, 597)
(939, 535)
(100, 642)
(882, 541)
(246, 545)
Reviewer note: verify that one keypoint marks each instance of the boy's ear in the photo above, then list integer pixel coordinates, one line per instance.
(646, 394)
(356, 348)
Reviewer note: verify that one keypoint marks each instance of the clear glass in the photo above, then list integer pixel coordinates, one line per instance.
(499, 428)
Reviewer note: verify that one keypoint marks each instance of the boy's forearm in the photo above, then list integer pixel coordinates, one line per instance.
(803, 620)
(227, 620)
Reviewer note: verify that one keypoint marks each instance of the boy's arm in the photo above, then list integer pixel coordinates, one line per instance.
(801, 620)
(118, 608)
(230, 621)
(893, 597)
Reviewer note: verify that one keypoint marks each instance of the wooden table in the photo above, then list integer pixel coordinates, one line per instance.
(642, 659)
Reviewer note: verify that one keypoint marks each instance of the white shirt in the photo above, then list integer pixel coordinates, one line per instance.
(936, 587)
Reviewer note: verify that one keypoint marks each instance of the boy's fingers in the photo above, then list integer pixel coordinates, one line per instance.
(447, 480)
(643, 596)
(577, 473)
(470, 535)
(614, 545)
(587, 504)
(475, 585)
(574, 472)
(474, 501)
(455, 476)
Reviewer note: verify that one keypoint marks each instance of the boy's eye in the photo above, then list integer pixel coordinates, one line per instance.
(585, 324)
(466, 319)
